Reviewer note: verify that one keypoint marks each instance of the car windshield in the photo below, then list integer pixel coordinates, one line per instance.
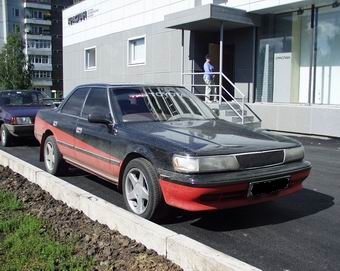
(14, 98)
(140, 104)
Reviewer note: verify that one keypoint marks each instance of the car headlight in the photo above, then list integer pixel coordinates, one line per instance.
(294, 154)
(190, 164)
(23, 120)
(185, 163)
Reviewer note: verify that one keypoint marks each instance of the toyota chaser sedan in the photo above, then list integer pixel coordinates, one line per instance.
(17, 113)
(161, 145)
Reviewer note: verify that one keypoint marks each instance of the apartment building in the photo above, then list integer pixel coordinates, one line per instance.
(40, 22)
(282, 56)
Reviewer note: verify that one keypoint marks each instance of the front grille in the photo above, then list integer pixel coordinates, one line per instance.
(260, 159)
(32, 119)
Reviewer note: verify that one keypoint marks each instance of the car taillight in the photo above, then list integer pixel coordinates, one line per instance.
(13, 121)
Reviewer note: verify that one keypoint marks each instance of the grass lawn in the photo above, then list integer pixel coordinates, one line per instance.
(27, 244)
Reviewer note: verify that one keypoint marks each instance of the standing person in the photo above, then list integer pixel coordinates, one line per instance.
(208, 78)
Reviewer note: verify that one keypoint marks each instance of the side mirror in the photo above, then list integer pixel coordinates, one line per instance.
(98, 118)
(216, 111)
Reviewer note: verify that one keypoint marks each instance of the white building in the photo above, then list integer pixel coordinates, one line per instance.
(282, 55)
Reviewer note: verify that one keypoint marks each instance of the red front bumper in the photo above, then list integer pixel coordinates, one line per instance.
(222, 197)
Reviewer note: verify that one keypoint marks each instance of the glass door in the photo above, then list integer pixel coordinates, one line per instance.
(327, 57)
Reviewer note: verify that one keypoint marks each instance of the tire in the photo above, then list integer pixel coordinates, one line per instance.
(141, 190)
(6, 137)
(53, 160)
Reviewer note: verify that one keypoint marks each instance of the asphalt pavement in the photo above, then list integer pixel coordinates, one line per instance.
(299, 232)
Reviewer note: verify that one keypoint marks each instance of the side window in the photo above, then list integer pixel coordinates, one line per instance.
(96, 102)
(74, 104)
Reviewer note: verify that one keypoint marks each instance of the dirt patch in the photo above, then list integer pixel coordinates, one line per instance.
(110, 249)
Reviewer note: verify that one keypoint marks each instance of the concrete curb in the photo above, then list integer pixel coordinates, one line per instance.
(186, 252)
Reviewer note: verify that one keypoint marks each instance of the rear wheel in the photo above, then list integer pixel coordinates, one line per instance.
(54, 162)
(6, 138)
(141, 189)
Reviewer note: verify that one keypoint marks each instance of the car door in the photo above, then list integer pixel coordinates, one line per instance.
(66, 121)
(94, 140)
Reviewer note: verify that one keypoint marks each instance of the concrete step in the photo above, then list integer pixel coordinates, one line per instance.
(232, 113)
(227, 112)
(246, 119)
(224, 106)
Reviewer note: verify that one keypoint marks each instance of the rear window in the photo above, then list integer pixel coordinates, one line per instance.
(17, 98)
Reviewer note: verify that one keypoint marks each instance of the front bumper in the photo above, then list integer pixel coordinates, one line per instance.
(21, 130)
(228, 190)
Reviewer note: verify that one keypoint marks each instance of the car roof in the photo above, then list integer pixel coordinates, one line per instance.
(18, 90)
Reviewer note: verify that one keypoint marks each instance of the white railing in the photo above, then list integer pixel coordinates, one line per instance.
(240, 111)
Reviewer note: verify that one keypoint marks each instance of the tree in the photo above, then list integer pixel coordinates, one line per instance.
(15, 71)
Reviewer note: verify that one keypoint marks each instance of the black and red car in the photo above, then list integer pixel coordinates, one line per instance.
(162, 145)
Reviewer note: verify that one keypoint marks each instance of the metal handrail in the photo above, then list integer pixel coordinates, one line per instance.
(220, 96)
(253, 112)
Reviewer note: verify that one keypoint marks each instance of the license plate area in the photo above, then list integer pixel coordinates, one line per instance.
(266, 187)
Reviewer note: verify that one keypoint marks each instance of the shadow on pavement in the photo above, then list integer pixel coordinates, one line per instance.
(25, 142)
(306, 202)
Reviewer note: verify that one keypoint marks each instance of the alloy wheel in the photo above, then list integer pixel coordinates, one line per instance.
(137, 192)
(49, 156)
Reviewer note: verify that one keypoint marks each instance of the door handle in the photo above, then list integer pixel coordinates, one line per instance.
(79, 130)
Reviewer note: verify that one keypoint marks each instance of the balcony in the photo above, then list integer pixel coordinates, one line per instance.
(38, 51)
(37, 36)
(41, 82)
(37, 21)
(42, 67)
(39, 4)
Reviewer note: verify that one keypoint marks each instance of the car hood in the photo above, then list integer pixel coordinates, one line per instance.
(22, 111)
(209, 137)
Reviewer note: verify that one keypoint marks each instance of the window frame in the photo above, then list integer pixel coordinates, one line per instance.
(62, 106)
(16, 28)
(92, 68)
(15, 12)
(93, 89)
(131, 63)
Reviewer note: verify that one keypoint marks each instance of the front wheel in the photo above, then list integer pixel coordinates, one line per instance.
(141, 190)
(6, 138)
(54, 162)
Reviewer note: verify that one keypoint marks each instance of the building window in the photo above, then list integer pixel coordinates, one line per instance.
(42, 74)
(90, 58)
(39, 44)
(289, 70)
(16, 28)
(136, 51)
(38, 30)
(16, 12)
(38, 59)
